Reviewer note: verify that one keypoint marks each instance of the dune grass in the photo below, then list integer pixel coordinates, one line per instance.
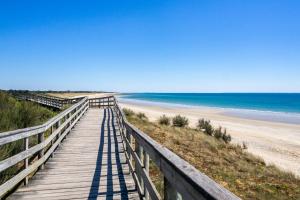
(229, 165)
(16, 114)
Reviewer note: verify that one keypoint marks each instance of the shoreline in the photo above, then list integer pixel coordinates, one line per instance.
(261, 115)
(276, 142)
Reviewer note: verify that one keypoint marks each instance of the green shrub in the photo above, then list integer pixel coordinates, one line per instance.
(218, 133)
(128, 112)
(180, 121)
(226, 137)
(164, 120)
(205, 126)
(245, 145)
(142, 116)
(16, 114)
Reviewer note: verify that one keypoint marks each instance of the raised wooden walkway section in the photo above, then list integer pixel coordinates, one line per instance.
(90, 151)
(89, 164)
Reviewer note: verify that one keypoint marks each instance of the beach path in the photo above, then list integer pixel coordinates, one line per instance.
(89, 164)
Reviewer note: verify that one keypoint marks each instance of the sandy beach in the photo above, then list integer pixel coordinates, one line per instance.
(276, 142)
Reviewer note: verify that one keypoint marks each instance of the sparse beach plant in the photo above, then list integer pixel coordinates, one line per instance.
(142, 116)
(228, 163)
(180, 121)
(226, 137)
(245, 145)
(218, 133)
(164, 120)
(205, 126)
(128, 112)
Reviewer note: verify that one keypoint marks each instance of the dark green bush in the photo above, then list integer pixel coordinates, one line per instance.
(245, 145)
(128, 112)
(205, 126)
(180, 121)
(16, 114)
(218, 133)
(142, 116)
(164, 120)
(226, 137)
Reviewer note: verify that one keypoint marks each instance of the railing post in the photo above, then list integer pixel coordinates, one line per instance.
(26, 146)
(170, 192)
(129, 137)
(59, 133)
(69, 123)
(146, 166)
(51, 129)
(139, 152)
(41, 138)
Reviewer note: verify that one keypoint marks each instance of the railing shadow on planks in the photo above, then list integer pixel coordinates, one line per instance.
(181, 180)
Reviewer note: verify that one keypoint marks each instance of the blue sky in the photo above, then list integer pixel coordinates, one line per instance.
(151, 46)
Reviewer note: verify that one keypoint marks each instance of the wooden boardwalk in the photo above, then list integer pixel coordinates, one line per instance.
(89, 164)
(89, 160)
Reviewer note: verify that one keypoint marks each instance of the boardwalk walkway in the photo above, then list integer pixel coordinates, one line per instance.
(92, 162)
(89, 164)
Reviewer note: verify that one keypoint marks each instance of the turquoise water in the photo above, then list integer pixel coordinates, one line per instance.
(276, 102)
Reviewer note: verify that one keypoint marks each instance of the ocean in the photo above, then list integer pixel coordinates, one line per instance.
(279, 107)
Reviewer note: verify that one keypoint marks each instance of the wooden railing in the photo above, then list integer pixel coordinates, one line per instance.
(50, 101)
(181, 180)
(39, 143)
(102, 102)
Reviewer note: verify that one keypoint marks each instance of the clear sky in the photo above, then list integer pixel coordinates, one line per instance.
(145, 45)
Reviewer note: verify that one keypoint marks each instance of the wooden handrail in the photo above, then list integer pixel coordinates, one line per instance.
(59, 127)
(55, 102)
(181, 180)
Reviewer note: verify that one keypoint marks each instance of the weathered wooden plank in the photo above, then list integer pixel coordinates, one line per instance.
(116, 196)
(72, 170)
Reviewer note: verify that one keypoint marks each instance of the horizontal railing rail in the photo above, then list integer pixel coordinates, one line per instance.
(102, 101)
(47, 100)
(49, 136)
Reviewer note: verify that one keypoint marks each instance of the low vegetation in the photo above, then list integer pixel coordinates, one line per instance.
(164, 120)
(142, 116)
(219, 133)
(205, 126)
(16, 114)
(230, 165)
(180, 121)
(128, 112)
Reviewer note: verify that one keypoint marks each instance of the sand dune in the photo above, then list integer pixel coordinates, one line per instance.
(277, 143)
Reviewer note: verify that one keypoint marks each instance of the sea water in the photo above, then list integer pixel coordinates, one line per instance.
(279, 107)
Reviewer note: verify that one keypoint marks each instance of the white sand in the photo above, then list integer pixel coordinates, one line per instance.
(277, 143)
